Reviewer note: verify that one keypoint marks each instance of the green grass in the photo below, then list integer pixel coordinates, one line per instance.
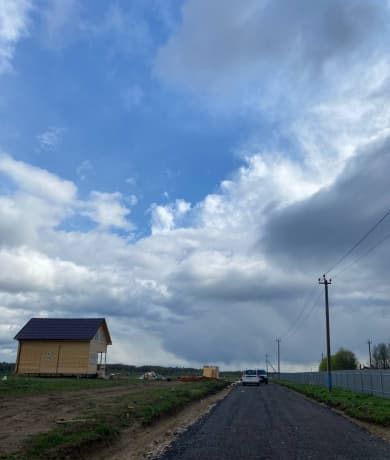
(63, 442)
(232, 376)
(20, 385)
(103, 424)
(167, 401)
(361, 406)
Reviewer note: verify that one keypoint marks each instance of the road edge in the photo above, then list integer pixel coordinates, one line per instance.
(376, 430)
(152, 442)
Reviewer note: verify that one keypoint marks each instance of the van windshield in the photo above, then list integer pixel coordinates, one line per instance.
(250, 372)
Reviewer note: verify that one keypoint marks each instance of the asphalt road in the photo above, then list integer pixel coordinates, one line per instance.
(272, 422)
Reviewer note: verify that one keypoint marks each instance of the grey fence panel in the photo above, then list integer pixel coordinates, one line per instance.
(372, 381)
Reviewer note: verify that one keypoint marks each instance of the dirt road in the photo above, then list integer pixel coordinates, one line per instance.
(272, 422)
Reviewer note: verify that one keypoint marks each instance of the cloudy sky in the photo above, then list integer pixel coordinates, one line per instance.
(189, 168)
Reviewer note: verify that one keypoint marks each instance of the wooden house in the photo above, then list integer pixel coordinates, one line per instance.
(63, 346)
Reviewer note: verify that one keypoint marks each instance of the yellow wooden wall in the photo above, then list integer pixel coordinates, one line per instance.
(53, 357)
(97, 345)
(211, 372)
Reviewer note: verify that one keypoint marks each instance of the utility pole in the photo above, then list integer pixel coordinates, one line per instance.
(325, 282)
(369, 350)
(266, 362)
(278, 340)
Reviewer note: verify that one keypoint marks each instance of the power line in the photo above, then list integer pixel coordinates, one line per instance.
(307, 304)
(343, 257)
(364, 254)
(314, 305)
(301, 312)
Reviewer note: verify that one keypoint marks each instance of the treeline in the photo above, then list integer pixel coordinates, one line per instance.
(170, 371)
(6, 368)
(127, 369)
(346, 360)
(130, 370)
(381, 356)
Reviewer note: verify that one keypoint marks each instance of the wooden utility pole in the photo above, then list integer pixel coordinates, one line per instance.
(369, 351)
(278, 340)
(325, 282)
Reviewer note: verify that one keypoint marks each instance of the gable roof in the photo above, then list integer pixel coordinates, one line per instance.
(62, 329)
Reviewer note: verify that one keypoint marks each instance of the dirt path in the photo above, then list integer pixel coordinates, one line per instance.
(22, 416)
(139, 442)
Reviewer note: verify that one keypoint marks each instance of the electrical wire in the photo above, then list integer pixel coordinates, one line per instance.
(305, 307)
(343, 257)
(306, 317)
(364, 254)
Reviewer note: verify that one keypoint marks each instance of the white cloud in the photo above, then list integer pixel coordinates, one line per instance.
(107, 210)
(84, 170)
(41, 200)
(37, 181)
(50, 139)
(132, 200)
(162, 218)
(13, 26)
(131, 180)
(165, 218)
(180, 286)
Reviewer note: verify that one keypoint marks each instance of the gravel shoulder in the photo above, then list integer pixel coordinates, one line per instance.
(139, 442)
(272, 422)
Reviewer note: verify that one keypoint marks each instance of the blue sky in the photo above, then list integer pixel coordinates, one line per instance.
(89, 84)
(187, 169)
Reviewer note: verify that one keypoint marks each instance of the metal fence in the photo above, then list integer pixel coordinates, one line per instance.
(372, 381)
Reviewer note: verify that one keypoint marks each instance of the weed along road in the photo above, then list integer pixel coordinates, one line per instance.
(272, 422)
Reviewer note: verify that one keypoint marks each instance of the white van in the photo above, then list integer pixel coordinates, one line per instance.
(250, 377)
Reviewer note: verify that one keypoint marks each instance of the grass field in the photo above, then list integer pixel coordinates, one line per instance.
(361, 406)
(101, 410)
(16, 385)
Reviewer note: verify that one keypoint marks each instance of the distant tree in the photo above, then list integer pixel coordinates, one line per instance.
(342, 360)
(381, 356)
(7, 368)
(138, 370)
(323, 365)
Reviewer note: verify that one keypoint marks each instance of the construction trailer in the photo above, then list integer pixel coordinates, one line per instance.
(211, 372)
(63, 346)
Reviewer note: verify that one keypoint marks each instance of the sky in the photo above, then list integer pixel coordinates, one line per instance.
(188, 169)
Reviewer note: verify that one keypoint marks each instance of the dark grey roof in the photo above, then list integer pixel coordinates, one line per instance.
(61, 329)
